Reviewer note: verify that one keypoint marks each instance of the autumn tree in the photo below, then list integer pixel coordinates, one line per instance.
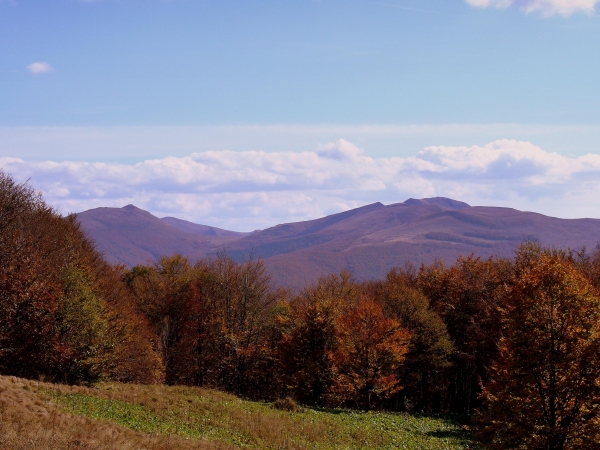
(133, 358)
(31, 258)
(369, 350)
(423, 372)
(162, 293)
(309, 329)
(465, 297)
(545, 386)
(594, 267)
(197, 350)
(211, 320)
(588, 263)
(241, 298)
(56, 319)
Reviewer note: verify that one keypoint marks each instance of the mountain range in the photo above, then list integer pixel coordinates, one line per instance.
(367, 241)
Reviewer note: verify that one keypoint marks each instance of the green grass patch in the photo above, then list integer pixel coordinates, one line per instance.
(196, 413)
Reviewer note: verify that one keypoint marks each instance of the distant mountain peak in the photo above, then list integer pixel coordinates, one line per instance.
(367, 241)
(442, 202)
(133, 209)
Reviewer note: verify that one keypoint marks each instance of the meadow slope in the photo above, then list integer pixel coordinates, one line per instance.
(37, 415)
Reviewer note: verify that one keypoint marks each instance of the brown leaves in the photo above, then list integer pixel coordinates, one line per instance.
(305, 351)
(370, 349)
(545, 389)
(59, 315)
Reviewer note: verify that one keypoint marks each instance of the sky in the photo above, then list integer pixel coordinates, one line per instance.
(246, 114)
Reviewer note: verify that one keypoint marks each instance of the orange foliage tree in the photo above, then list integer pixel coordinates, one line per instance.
(212, 321)
(545, 388)
(162, 293)
(308, 326)
(29, 293)
(370, 349)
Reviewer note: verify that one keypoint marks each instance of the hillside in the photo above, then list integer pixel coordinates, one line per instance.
(35, 415)
(368, 241)
(131, 236)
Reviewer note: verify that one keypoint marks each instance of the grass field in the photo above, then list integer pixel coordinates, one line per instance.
(35, 415)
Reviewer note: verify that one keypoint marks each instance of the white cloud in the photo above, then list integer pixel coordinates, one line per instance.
(38, 68)
(341, 150)
(486, 3)
(545, 7)
(254, 189)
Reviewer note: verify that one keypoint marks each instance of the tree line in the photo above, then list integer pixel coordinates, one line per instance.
(513, 343)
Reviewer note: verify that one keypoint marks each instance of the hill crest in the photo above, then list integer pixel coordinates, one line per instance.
(368, 241)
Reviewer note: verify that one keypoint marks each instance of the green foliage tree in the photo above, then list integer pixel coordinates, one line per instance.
(82, 324)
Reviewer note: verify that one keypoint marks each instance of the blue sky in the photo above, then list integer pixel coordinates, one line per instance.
(122, 83)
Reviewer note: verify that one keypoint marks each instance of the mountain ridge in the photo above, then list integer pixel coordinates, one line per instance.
(368, 241)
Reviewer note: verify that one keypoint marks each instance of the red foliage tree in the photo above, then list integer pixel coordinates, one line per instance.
(370, 349)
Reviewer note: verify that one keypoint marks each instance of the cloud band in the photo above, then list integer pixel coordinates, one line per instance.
(254, 189)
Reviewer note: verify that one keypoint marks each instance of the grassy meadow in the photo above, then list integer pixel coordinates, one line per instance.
(37, 415)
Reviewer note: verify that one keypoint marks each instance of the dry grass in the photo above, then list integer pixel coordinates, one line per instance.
(36, 415)
(30, 421)
(192, 413)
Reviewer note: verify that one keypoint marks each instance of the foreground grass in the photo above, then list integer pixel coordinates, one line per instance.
(137, 416)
